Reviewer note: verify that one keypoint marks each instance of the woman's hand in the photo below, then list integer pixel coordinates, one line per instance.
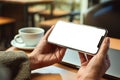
(94, 67)
(46, 54)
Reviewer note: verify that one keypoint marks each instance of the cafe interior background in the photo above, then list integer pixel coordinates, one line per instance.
(16, 14)
(13, 15)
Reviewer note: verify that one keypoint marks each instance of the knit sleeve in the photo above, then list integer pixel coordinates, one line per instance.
(17, 63)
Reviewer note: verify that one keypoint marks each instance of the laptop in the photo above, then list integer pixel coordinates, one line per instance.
(71, 59)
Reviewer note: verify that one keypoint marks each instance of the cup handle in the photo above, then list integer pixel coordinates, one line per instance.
(18, 39)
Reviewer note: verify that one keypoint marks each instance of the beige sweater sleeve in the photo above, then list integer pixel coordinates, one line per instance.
(17, 63)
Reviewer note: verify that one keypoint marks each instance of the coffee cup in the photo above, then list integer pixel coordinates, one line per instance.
(30, 36)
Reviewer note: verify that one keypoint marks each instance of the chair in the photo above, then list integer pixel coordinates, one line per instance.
(73, 10)
(56, 12)
(105, 15)
(7, 32)
(48, 23)
(33, 10)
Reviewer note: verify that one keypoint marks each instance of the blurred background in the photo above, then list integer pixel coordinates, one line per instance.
(15, 14)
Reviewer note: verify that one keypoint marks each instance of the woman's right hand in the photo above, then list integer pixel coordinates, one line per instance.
(95, 67)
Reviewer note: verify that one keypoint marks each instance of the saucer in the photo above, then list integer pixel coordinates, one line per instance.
(21, 45)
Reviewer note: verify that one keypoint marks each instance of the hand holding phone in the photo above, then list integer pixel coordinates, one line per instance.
(83, 38)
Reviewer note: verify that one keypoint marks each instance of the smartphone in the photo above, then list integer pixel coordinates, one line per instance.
(83, 38)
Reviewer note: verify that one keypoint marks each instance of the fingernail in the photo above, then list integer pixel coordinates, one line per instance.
(107, 41)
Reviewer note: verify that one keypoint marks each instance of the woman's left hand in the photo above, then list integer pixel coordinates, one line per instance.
(45, 53)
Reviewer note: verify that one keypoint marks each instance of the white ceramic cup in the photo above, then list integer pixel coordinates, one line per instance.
(29, 35)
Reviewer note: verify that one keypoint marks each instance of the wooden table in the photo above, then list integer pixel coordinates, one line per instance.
(18, 9)
(59, 71)
(115, 43)
(5, 20)
(28, 2)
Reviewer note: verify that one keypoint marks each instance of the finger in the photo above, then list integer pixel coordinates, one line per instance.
(82, 57)
(108, 60)
(62, 51)
(48, 32)
(104, 47)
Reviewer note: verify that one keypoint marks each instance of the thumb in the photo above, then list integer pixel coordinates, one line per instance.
(48, 32)
(104, 47)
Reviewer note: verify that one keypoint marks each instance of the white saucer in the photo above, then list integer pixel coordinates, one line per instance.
(21, 45)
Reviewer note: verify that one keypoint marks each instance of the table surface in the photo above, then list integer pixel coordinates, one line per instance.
(59, 71)
(26, 1)
(115, 43)
(22, 6)
(5, 20)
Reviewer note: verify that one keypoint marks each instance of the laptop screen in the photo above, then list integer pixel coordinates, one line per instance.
(72, 58)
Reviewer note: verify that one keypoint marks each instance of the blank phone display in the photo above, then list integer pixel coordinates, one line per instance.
(79, 37)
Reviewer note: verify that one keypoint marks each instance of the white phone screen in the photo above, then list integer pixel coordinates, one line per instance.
(79, 37)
